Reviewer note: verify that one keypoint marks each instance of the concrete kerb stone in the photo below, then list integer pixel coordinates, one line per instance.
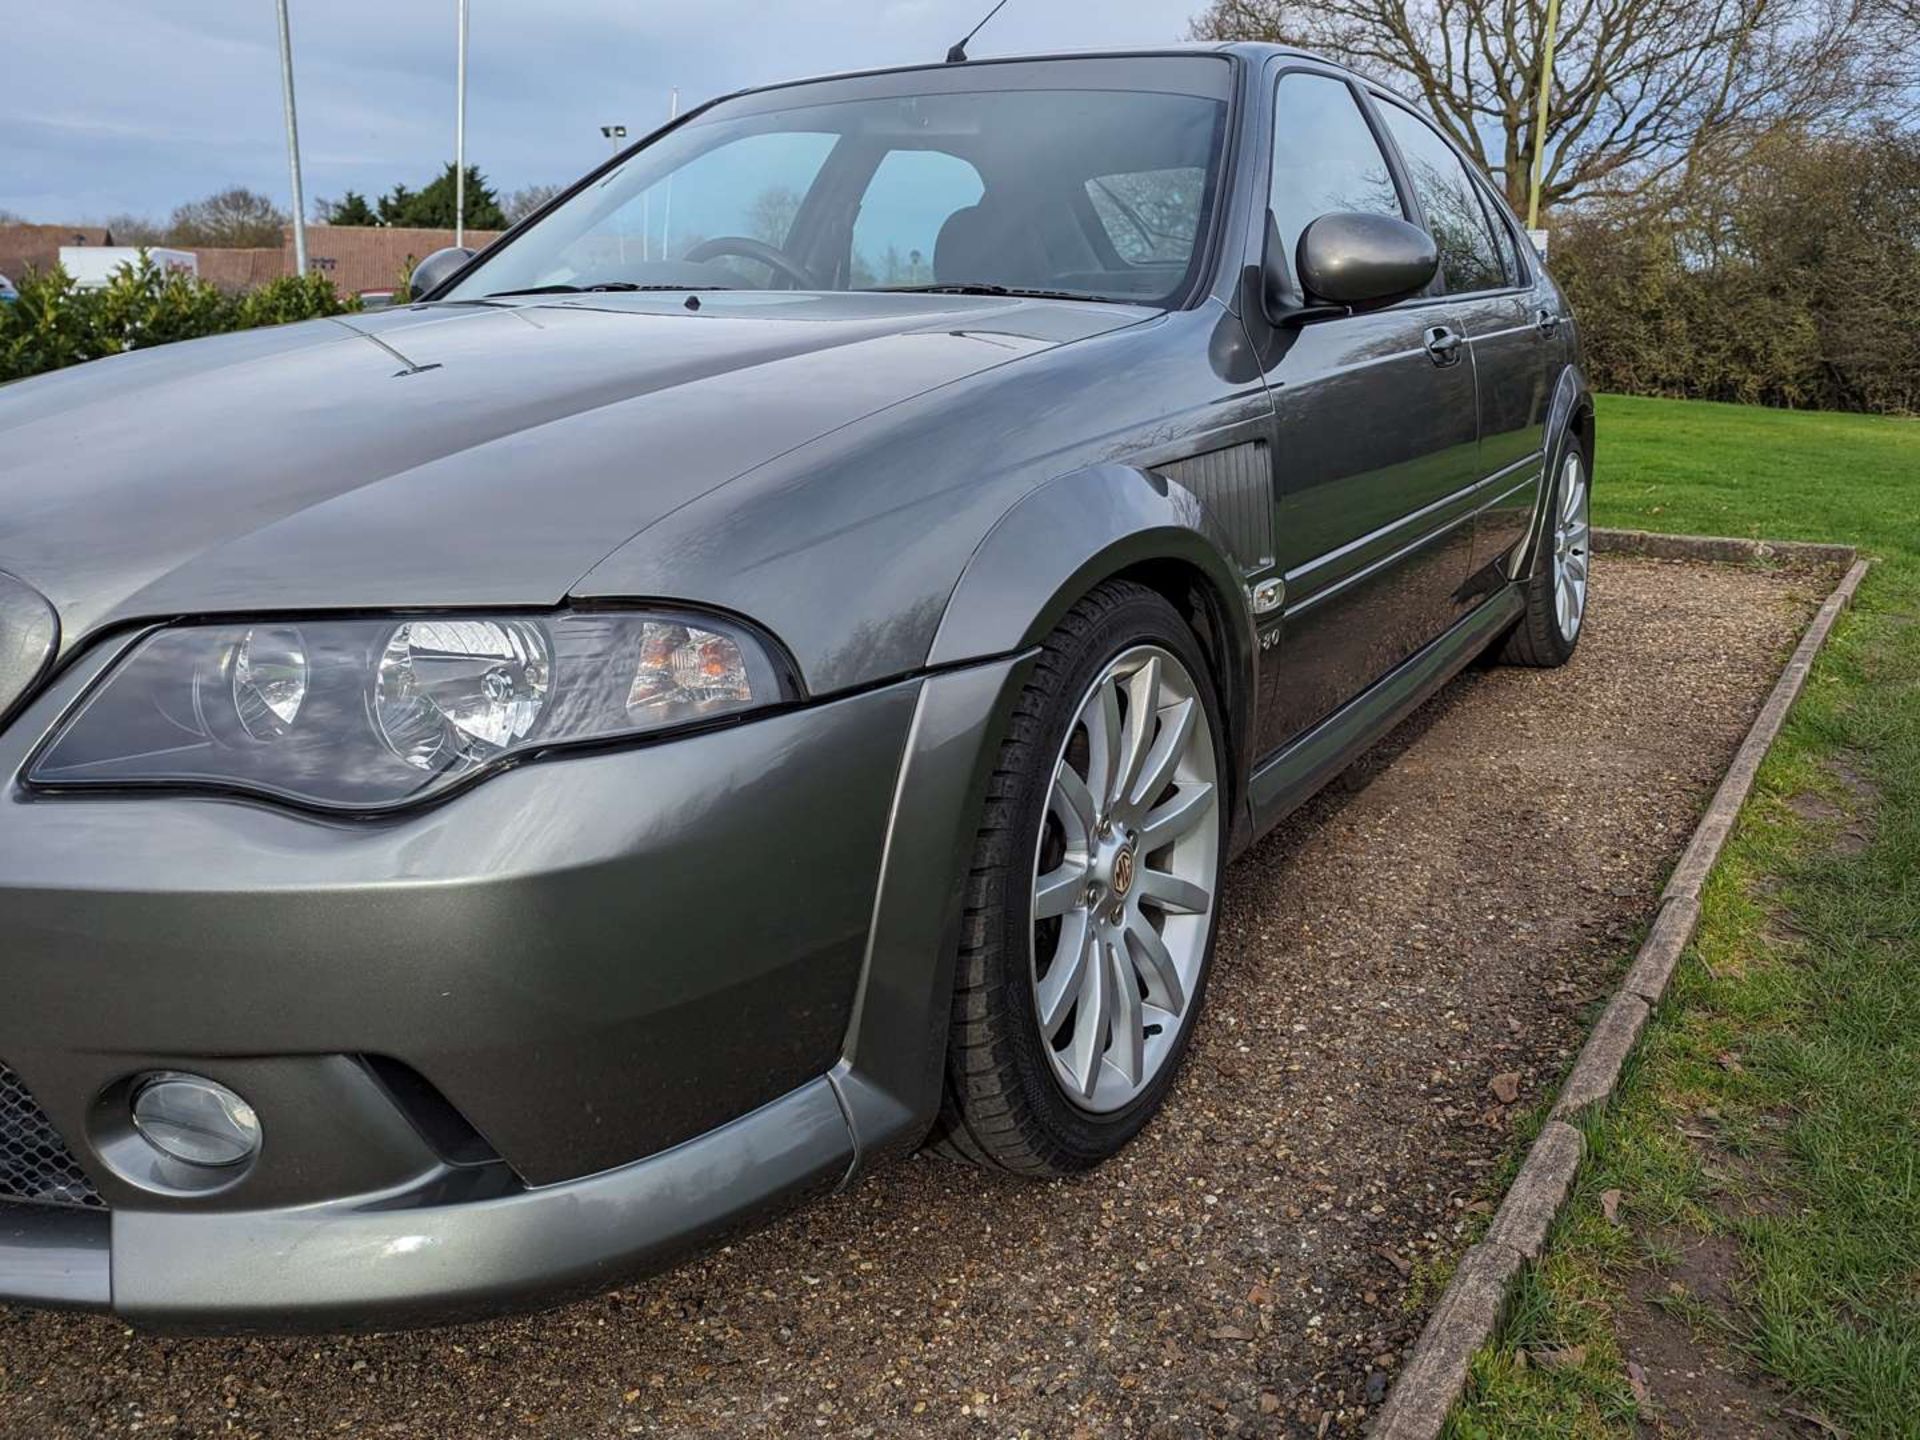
(1604, 1055)
(1436, 1370)
(1720, 549)
(1717, 824)
(1653, 967)
(1538, 1191)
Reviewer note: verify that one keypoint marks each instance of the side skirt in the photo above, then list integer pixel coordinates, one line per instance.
(1288, 778)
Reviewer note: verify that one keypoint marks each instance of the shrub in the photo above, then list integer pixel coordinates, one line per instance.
(55, 323)
(289, 298)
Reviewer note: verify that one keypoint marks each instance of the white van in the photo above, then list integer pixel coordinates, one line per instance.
(92, 266)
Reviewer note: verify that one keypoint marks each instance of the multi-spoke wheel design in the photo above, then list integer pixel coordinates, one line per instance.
(1091, 904)
(1571, 546)
(1124, 878)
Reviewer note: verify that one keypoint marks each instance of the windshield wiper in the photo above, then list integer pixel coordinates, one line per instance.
(599, 288)
(982, 288)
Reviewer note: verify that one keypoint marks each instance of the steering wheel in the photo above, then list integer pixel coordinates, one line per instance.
(747, 248)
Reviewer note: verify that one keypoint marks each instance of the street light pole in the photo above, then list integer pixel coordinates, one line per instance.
(293, 143)
(460, 138)
(666, 225)
(616, 136)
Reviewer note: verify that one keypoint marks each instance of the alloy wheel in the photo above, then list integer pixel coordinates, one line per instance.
(1125, 877)
(1572, 542)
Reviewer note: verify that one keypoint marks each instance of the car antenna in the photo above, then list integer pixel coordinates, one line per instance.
(958, 54)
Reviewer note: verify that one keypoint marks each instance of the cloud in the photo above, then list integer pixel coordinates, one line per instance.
(118, 106)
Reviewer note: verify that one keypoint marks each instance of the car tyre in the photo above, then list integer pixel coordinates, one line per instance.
(1557, 590)
(1100, 909)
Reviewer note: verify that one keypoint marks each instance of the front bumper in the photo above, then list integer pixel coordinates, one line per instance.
(659, 991)
(356, 1264)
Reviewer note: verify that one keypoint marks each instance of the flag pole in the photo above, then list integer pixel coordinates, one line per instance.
(1540, 116)
(293, 143)
(460, 138)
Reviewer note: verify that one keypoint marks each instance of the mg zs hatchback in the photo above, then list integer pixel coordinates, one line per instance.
(764, 665)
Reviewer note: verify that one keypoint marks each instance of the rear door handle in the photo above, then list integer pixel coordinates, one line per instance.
(1545, 321)
(1443, 345)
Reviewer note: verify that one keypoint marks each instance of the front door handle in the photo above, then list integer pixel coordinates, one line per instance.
(1443, 345)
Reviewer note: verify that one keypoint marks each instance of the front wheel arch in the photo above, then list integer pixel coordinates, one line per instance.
(1109, 522)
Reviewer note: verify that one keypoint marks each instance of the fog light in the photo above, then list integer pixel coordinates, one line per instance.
(194, 1120)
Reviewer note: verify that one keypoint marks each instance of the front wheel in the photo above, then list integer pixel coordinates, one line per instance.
(1093, 900)
(1557, 590)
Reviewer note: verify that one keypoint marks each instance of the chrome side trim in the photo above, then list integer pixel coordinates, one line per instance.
(1466, 493)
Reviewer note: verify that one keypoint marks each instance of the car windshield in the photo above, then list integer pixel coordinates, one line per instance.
(1097, 193)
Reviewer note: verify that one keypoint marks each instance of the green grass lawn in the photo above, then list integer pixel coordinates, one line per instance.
(1775, 1102)
(1701, 469)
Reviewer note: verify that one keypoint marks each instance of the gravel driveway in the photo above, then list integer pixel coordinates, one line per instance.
(1404, 966)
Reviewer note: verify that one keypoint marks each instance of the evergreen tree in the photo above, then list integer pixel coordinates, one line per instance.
(350, 209)
(432, 208)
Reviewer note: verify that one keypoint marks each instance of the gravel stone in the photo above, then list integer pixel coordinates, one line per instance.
(1451, 910)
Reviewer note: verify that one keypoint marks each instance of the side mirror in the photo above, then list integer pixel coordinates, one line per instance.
(434, 271)
(1360, 260)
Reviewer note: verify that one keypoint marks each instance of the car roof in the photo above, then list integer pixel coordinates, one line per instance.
(1251, 51)
(1135, 52)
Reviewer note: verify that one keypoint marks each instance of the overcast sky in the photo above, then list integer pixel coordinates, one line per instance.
(117, 106)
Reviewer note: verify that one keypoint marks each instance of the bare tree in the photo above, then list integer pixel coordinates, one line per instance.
(524, 201)
(1642, 90)
(236, 217)
(772, 214)
(133, 230)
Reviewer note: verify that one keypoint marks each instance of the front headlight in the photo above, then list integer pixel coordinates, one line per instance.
(368, 714)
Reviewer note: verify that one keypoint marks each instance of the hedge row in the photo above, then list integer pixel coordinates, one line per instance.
(1793, 281)
(56, 323)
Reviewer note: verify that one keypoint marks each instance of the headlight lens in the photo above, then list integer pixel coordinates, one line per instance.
(448, 690)
(369, 714)
(269, 681)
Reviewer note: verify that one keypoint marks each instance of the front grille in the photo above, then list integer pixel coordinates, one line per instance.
(35, 1164)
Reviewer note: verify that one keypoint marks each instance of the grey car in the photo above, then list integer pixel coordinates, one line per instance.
(760, 670)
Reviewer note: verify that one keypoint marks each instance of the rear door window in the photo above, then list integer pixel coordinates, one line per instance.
(1471, 256)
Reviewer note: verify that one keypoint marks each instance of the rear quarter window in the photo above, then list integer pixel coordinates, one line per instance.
(1150, 216)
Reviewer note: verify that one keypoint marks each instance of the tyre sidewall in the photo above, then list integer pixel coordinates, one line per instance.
(1561, 644)
(1084, 1138)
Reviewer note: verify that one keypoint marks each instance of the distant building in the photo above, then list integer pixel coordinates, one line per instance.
(359, 260)
(237, 270)
(37, 247)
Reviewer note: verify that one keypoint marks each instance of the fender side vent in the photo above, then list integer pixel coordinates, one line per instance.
(1236, 486)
